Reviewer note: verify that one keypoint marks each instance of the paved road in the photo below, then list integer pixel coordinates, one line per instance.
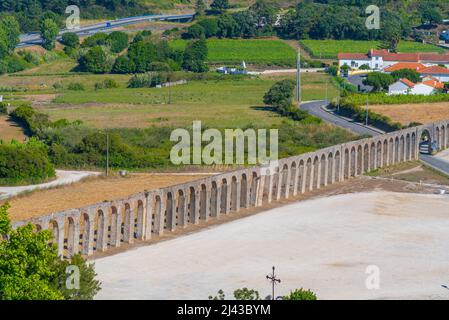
(63, 177)
(435, 162)
(316, 108)
(357, 80)
(35, 38)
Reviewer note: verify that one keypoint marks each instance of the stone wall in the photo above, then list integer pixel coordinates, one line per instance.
(149, 214)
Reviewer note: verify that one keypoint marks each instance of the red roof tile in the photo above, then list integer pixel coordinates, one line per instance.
(405, 65)
(434, 70)
(407, 82)
(435, 84)
(352, 56)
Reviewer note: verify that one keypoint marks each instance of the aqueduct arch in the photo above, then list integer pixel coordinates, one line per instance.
(151, 213)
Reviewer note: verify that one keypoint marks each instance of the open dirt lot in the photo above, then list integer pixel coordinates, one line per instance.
(10, 130)
(87, 192)
(420, 112)
(325, 244)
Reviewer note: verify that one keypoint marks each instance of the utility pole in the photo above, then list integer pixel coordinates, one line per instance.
(327, 83)
(273, 280)
(298, 78)
(107, 154)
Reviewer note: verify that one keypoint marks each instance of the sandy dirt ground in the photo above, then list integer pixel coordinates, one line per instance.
(421, 112)
(10, 130)
(325, 244)
(90, 191)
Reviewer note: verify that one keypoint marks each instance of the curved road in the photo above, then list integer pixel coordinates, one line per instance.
(33, 38)
(316, 108)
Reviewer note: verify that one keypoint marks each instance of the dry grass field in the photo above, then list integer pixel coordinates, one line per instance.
(10, 130)
(421, 112)
(87, 192)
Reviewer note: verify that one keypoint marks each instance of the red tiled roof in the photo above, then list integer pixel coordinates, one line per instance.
(405, 65)
(407, 82)
(410, 57)
(434, 83)
(435, 57)
(434, 70)
(352, 56)
(404, 57)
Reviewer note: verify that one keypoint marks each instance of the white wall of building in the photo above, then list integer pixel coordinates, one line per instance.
(398, 88)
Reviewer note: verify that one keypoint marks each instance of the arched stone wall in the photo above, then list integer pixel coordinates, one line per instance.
(151, 213)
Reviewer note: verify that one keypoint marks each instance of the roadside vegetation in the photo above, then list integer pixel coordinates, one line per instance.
(30, 268)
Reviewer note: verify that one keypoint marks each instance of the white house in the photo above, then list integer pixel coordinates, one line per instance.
(402, 86)
(381, 59)
(405, 86)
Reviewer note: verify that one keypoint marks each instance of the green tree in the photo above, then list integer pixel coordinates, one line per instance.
(378, 80)
(409, 74)
(200, 8)
(195, 56)
(49, 32)
(246, 294)
(118, 41)
(12, 29)
(210, 27)
(431, 16)
(30, 268)
(123, 65)
(70, 39)
(220, 5)
(142, 54)
(95, 60)
(195, 31)
(301, 294)
(3, 43)
(280, 94)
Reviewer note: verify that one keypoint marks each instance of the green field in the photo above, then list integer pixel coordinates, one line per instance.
(328, 49)
(220, 103)
(234, 51)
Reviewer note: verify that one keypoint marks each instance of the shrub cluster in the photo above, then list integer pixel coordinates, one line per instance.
(24, 163)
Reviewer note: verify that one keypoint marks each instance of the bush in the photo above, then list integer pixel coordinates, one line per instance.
(95, 60)
(195, 56)
(123, 65)
(118, 41)
(210, 27)
(195, 32)
(106, 84)
(70, 39)
(76, 86)
(3, 108)
(98, 39)
(159, 66)
(301, 294)
(24, 163)
(147, 80)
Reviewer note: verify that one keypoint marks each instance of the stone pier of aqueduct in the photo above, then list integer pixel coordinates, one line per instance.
(149, 214)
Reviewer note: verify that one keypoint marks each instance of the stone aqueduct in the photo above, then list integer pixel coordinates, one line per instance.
(149, 214)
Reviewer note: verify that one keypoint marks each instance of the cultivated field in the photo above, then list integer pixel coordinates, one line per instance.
(264, 52)
(10, 130)
(330, 48)
(421, 112)
(90, 191)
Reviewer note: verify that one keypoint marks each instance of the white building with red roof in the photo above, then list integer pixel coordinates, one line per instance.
(382, 59)
(404, 86)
